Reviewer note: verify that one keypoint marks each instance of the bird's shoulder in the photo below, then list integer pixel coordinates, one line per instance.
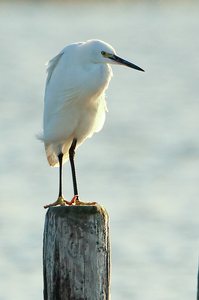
(65, 53)
(51, 64)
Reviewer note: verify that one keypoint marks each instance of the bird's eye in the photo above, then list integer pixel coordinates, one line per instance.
(103, 53)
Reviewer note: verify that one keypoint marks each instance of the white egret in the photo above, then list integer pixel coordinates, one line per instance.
(74, 104)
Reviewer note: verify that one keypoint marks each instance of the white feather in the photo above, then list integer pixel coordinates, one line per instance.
(74, 105)
(51, 64)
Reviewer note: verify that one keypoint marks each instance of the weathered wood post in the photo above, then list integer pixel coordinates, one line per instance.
(76, 253)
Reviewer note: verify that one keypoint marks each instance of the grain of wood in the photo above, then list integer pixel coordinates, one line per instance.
(76, 253)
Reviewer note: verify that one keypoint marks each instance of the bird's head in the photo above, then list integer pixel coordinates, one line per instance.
(101, 52)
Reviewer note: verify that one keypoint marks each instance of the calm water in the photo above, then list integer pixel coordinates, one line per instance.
(143, 167)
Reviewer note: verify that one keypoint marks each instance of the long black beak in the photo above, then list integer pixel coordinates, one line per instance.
(124, 62)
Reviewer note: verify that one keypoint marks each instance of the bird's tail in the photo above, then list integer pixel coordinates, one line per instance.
(52, 156)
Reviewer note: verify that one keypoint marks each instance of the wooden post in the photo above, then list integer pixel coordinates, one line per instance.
(76, 253)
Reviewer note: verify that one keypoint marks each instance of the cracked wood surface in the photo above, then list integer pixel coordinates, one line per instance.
(76, 253)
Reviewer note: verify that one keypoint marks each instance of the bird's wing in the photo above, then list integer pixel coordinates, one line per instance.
(62, 92)
(51, 64)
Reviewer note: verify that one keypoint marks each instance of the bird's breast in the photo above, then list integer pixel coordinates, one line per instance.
(96, 80)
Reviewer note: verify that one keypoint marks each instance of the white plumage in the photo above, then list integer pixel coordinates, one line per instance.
(74, 105)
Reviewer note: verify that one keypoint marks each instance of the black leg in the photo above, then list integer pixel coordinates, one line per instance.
(71, 158)
(60, 200)
(60, 158)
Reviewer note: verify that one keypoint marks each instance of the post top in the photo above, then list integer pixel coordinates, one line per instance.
(76, 210)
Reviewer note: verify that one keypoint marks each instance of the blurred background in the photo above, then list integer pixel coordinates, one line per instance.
(143, 167)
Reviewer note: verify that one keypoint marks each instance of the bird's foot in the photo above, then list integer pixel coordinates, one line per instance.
(77, 202)
(60, 201)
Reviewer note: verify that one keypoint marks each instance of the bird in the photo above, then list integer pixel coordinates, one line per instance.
(75, 104)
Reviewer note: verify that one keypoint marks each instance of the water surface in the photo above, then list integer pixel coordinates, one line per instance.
(143, 167)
